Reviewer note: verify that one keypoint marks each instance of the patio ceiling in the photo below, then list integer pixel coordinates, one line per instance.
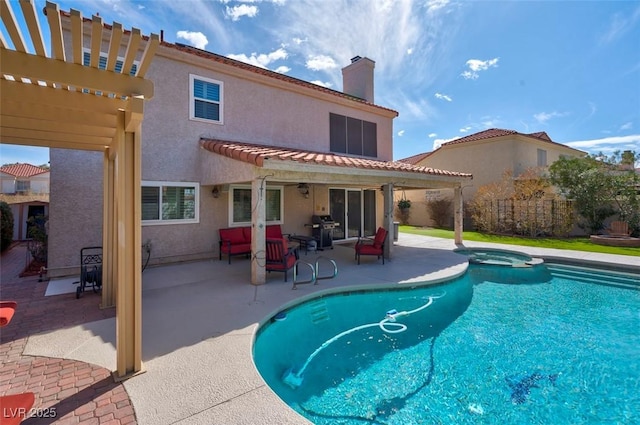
(318, 167)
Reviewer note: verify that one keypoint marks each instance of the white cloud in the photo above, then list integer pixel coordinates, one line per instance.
(236, 12)
(477, 65)
(409, 51)
(299, 40)
(465, 129)
(321, 63)
(197, 39)
(432, 135)
(543, 117)
(263, 59)
(439, 142)
(434, 5)
(626, 126)
(443, 97)
(282, 69)
(322, 83)
(401, 133)
(631, 142)
(619, 25)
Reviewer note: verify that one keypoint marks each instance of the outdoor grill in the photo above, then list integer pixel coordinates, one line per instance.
(322, 230)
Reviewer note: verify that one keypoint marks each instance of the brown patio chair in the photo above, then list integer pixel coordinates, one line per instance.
(375, 246)
(279, 257)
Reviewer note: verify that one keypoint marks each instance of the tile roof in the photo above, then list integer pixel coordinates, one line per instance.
(415, 159)
(483, 135)
(498, 132)
(22, 170)
(256, 154)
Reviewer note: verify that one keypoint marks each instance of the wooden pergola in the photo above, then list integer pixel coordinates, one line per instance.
(56, 101)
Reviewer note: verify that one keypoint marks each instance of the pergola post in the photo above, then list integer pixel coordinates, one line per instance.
(128, 252)
(387, 191)
(109, 257)
(258, 231)
(457, 215)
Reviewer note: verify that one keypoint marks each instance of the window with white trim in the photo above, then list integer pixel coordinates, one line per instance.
(170, 202)
(205, 99)
(240, 205)
(542, 158)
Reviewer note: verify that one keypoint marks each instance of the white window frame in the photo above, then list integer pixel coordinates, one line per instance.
(192, 100)
(160, 185)
(542, 158)
(248, 223)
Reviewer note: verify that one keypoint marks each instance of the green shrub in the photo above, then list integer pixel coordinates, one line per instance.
(6, 217)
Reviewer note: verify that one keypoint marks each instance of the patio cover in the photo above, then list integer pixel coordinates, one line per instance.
(56, 101)
(260, 163)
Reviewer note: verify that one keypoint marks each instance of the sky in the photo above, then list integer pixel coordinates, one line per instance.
(450, 68)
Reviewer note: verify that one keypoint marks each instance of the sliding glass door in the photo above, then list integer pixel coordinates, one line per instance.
(354, 210)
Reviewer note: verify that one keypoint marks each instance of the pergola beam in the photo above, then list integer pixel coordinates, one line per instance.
(55, 26)
(42, 69)
(11, 25)
(33, 24)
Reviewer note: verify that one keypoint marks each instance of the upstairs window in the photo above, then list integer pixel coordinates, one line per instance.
(205, 100)
(542, 158)
(102, 63)
(352, 136)
(23, 186)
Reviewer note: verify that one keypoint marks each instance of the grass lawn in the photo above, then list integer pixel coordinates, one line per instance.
(577, 244)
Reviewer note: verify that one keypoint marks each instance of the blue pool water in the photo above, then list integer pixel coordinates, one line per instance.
(549, 344)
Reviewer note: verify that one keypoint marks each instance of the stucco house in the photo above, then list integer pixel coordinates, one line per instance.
(486, 155)
(227, 144)
(24, 179)
(25, 188)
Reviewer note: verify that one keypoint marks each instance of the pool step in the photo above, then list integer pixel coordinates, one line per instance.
(579, 274)
(319, 312)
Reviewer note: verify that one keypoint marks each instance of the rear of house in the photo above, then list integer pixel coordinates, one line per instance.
(218, 135)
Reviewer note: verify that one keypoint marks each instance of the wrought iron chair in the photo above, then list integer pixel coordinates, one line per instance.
(375, 246)
(279, 257)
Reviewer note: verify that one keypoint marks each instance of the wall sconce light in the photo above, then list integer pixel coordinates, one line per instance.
(303, 188)
(215, 192)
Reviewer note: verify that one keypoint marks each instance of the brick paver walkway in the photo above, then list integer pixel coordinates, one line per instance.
(78, 392)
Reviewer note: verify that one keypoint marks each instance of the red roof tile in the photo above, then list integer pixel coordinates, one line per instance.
(22, 170)
(415, 159)
(257, 154)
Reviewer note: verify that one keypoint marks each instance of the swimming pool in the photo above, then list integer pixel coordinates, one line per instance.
(544, 344)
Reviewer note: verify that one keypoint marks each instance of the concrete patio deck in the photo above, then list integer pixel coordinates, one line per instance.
(199, 320)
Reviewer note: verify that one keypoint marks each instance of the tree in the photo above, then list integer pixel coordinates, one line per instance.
(6, 220)
(600, 187)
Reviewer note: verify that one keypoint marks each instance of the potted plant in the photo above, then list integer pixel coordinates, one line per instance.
(404, 204)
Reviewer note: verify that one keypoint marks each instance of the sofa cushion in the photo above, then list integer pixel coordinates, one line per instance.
(234, 235)
(273, 231)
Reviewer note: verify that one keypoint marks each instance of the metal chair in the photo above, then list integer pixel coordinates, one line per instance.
(375, 246)
(279, 257)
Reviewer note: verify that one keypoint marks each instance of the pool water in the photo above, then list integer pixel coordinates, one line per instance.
(552, 347)
(497, 257)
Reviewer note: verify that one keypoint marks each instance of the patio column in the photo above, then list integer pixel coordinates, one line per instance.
(109, 257)
(128, 243)
(387, 191)
(258, 231)
(457, 214)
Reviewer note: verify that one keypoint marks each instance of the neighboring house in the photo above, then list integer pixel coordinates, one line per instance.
(24, 179)
(25, 188)
(228, 144)
(487, 155)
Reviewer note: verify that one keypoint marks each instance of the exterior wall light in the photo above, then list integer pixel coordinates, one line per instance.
(303, 188)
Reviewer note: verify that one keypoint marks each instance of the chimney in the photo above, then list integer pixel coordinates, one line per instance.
(357, 78)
